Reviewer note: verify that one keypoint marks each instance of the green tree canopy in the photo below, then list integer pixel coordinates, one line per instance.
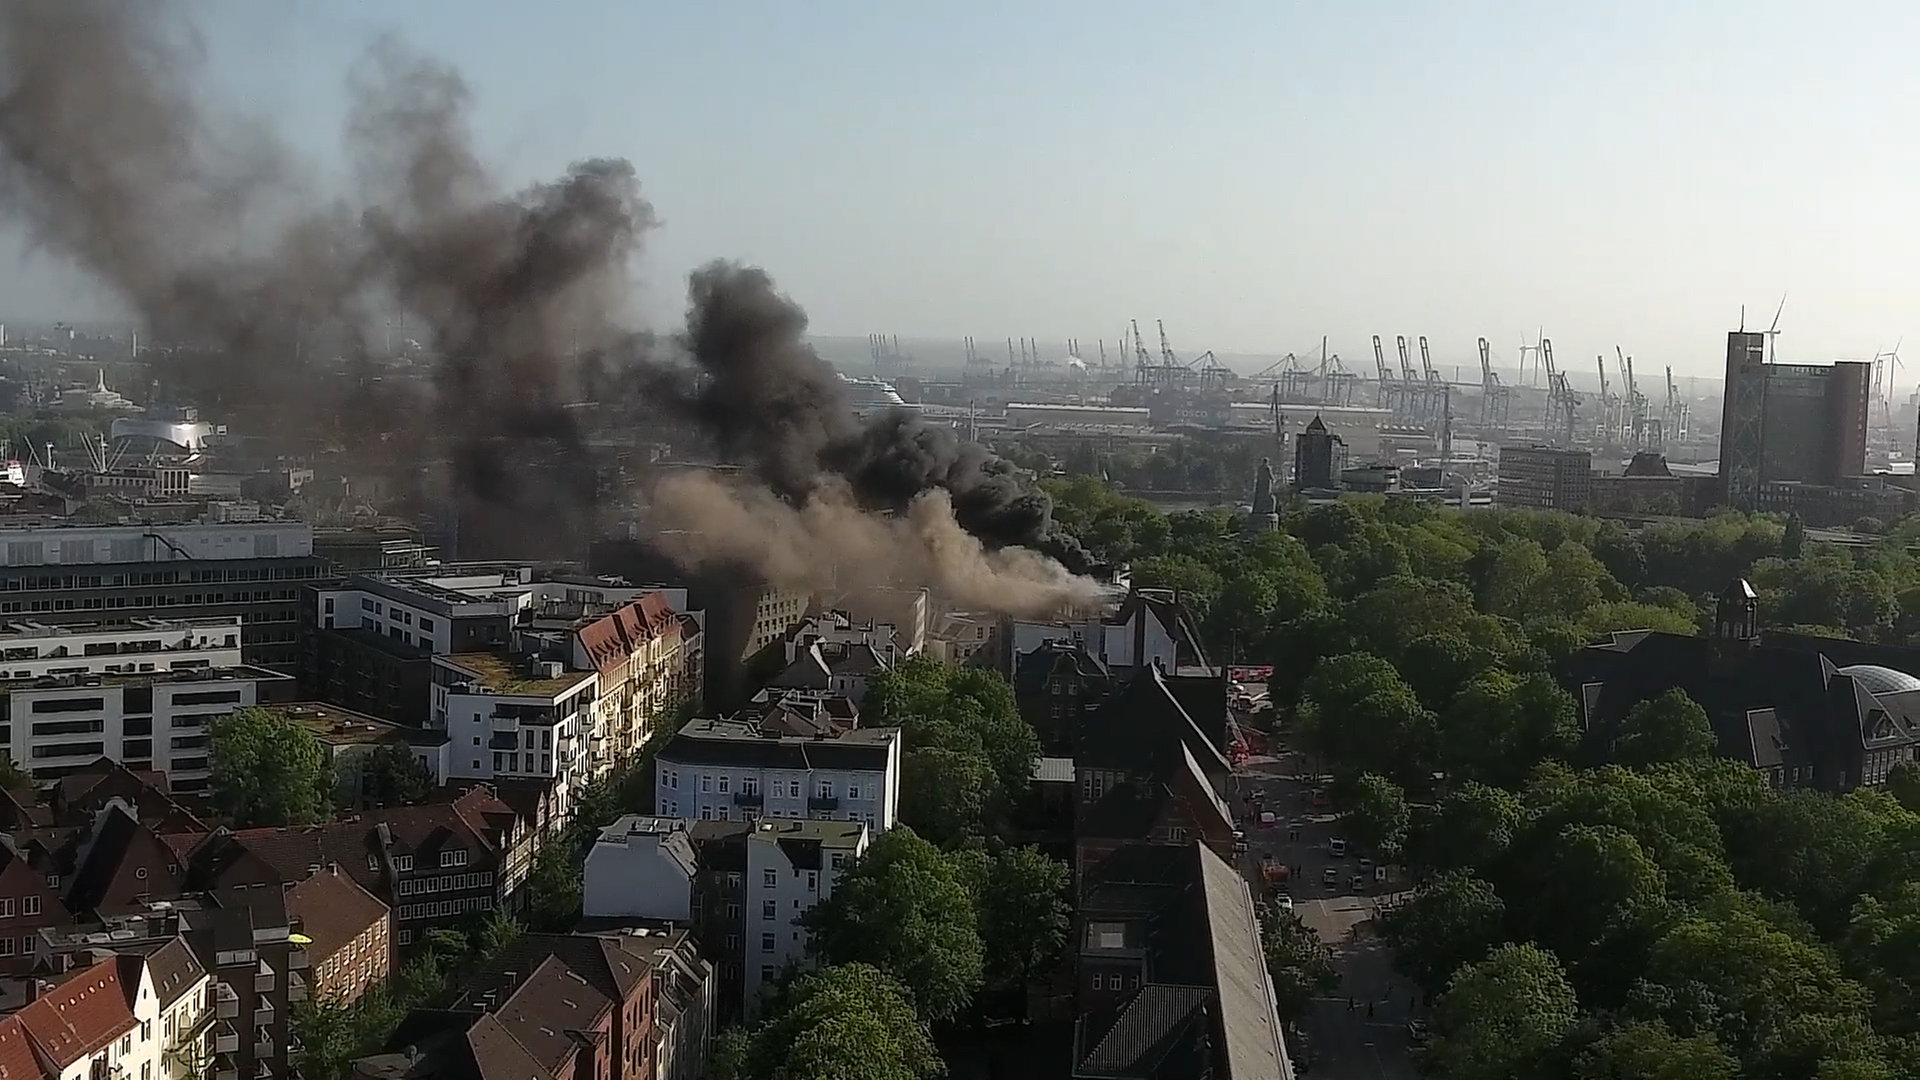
(268, 770)
(904, 908)
(1671, 727)
(1299, 962)
(848, 1022)
(1503, 1017)
(392, 776)
(1452, 920)
(1376, 816)
(1021, 898)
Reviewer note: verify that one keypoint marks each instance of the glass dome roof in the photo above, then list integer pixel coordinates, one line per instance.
(1880, 680)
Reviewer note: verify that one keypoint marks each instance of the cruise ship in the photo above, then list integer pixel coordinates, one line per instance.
(869, 395)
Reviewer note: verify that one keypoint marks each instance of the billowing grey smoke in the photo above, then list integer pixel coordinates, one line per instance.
(201, 224)
(202, 227)
(771, 402)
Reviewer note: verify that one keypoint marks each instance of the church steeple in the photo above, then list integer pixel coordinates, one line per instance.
(1736, 615)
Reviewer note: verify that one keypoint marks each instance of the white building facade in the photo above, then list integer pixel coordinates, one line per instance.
(728, 770)
(508, 718)
(791, 866)
(143, 694)
(640, 868)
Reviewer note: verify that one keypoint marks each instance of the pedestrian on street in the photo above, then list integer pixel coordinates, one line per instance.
(1369, 1010)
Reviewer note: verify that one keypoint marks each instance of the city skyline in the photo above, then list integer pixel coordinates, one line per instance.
(1255, 176)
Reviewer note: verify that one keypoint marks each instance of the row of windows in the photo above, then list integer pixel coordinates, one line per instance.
(440, 909)
(750, 785)
(29, 905)
(447, 883)
(404, 863)
(1113, 982)
(671, 808)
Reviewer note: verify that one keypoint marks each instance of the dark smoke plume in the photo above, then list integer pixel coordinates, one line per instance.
(773, 404)
(201, 224)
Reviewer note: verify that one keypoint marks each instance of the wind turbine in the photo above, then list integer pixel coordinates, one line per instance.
(1774, 330)
(1890, 379)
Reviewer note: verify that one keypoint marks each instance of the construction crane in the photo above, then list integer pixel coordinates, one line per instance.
(1494, 398)
(1144, 369)
(1389, 386)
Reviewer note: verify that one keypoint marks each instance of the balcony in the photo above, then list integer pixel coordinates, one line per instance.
(226, 1002)
(296, 988)
(226, 1068)
(298, 960)
(263, 1013)
(823, 802)
(748, 798)
(263, 978)
(262, 1045)
(226, 1040)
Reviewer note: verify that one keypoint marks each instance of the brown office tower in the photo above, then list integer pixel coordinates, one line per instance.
(1789, 422)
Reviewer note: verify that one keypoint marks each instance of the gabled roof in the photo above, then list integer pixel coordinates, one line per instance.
(87, 1011)
(552, 1012)
(120, 846)
(1140, 726)
(611, 638)
(175, 970)
(1250, 1025)
(612, 964)
(77, 796)
(1138, 1038)
(18, 1061)
(333, 911)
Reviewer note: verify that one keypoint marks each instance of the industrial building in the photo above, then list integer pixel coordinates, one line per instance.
(1795, 423)
(1544, 478)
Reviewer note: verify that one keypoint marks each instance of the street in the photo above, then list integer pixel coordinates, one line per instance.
(1359, 1030)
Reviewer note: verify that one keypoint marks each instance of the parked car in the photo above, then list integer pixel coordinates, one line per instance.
(1337, 847)
(1330, 876)
(1285, 901)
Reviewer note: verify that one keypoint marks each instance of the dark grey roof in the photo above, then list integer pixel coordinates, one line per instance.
(1158, 1031)
(727, 742)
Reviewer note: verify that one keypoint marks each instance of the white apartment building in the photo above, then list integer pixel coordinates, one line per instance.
(647, 654)
(100, 1021)
(454, 608)
(143, 693)
(640, 868)
(728, 769)
(509, 717)
(893, 641)
(791, 866)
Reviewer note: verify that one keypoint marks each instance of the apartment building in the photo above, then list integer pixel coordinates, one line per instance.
(640, 868)
(648, 658)
(97, 1021)
(62, 574)
(349, 942)
(511, 717)
(150, 721)
(893, 641)
(549, 1007)
(744, 768)
(434, 866)
(791, 866)
(249, 955)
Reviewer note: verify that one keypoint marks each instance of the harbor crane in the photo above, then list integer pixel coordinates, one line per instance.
(1494, 397)
(1390, 396)
(1678, 411)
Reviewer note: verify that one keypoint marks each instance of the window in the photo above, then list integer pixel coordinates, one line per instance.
(706, 784)
(126, 1044)
(403, 862)
(825, 789)
(30, 905)
(6, 946)
(793, 789)
(1099, 983)
(853, 791)
(770, 878)
(837, 860)
(813, 881)
(766, 942)
(53, 881)
(6, 909)
(769, 909)
(457, 857)
(724, 781)
(766, 974)
(426, 625)
(406, 937)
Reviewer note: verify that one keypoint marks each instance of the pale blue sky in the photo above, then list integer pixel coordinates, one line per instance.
(1256, 174)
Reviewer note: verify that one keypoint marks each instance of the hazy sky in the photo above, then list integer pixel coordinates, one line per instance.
(1255, 173)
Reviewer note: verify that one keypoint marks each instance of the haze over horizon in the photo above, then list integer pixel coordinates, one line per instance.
(1257, 175)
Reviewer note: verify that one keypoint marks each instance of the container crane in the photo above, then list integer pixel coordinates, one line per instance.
(1609, 406)
(1412, 389)
(1435, 384)
(1494, 398)
(1563, 405)
(1389, 386)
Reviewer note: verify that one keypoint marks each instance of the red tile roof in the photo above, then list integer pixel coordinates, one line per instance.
(86, 1012)
(610, 639)
(333, 911)
(17, 1060)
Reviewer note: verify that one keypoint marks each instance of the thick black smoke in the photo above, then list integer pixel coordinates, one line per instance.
(773, 404)
(202, 225)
